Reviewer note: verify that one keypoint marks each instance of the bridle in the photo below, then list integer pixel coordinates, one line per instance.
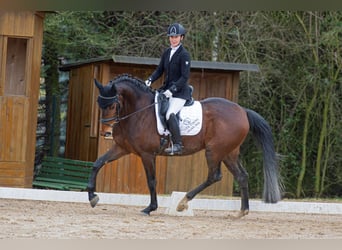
(116, 118)
(111, 100)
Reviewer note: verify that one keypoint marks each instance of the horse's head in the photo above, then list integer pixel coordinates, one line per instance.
(109, 104)
(121, 98)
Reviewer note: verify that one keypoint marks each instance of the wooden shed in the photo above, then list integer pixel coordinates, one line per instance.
(127, 175)
(21, 35)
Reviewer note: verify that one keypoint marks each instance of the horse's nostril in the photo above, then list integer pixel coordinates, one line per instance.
(108, 134)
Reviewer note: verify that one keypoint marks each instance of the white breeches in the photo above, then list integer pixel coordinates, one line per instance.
(175, 105)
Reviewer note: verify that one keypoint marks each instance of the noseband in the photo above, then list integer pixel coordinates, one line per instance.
(104, 102)
(116, 118)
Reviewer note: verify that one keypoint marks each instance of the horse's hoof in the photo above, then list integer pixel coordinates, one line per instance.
(145, 211)
(183, 205)
(94, 201)
(242, 214)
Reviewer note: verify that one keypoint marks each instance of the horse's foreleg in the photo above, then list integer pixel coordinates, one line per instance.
(149, 162)
(112, 154)
(241, 176)
(93, 198)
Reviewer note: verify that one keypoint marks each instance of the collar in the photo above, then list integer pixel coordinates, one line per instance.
(175, 48)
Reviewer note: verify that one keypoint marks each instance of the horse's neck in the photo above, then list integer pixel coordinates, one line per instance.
(136, 99)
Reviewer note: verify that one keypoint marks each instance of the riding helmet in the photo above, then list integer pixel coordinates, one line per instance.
(176, 29)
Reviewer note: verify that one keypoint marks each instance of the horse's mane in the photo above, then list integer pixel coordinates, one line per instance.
(133, 80)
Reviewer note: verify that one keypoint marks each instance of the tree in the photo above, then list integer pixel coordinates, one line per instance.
(52, 100)
(323, 37)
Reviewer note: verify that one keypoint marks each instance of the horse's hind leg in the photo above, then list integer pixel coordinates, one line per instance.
(241, 176)
(214, 175)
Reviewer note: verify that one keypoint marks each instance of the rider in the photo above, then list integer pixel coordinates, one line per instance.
(175, 63)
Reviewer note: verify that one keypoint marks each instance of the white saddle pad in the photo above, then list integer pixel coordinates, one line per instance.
(190, 122)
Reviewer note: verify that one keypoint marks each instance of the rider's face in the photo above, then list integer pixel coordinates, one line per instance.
(175, 40)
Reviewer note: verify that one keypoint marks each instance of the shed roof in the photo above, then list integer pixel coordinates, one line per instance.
(155, 61)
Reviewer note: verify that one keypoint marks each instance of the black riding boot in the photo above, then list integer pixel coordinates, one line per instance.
(176, 147)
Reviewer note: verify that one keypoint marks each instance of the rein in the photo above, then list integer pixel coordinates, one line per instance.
(116, 118)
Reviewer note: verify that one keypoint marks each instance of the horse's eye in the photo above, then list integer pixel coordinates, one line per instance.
(111, 107)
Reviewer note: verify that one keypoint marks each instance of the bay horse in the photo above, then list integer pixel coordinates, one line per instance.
(128, 110)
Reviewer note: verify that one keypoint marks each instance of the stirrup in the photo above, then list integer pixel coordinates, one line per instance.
(174, 149)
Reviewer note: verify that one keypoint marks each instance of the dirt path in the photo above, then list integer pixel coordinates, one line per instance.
(53, 220)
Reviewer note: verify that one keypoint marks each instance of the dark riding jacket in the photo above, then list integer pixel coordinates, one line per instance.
(176, 71)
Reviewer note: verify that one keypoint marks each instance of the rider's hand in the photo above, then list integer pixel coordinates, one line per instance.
(148, 82)
(167, 93)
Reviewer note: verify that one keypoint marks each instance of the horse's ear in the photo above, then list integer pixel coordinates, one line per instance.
(98, 84)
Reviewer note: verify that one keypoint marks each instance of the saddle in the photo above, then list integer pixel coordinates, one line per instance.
(164, 106)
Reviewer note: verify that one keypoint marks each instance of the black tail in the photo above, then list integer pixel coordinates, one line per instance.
(262, 131)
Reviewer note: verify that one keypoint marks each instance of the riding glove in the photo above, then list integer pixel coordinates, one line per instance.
(148, 82)
(167, 93)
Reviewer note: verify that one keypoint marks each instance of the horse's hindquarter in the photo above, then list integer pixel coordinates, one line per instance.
(225, 123)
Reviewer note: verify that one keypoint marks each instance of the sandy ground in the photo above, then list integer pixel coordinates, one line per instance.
(21, 219)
